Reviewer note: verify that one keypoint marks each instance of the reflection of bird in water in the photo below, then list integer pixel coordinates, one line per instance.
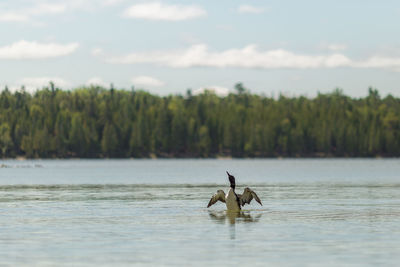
(232, 200)
(221, 216)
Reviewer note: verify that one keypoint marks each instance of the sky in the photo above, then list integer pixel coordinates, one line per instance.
(169, 46)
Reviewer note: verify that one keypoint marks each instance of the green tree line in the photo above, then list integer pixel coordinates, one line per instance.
(96, 122)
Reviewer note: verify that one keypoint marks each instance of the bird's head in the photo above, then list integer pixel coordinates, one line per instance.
(231, 180)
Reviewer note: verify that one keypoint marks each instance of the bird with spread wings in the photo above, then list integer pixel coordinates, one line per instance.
(232, 200)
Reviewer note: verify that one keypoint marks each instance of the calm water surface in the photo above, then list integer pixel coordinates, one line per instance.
(324, 212)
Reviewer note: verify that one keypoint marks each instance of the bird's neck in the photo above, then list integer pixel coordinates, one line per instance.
(233, 186)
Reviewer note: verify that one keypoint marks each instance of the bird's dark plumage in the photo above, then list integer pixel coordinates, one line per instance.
(231, 180)
(234, 201)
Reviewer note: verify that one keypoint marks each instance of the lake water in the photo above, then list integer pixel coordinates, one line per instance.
(316, 212)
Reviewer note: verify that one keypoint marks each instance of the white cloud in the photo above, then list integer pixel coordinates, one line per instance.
(11, 16)
(33, 83)
(251, 57)
(88, 5)
(112, 2)
(146, 81)
(218, 90)
(336, 47)
(97, 81)
(247, 57)
(35, 50)
(160, 11)
(250, 9)
(26, 14)
(392, 63)
(97, 51)
(46, 8)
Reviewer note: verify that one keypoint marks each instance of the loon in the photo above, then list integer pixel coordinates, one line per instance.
(232, 200)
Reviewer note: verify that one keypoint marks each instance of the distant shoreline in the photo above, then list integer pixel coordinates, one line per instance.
(200, 158)
(98, 123)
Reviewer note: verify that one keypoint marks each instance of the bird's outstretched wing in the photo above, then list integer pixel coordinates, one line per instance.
(220, 195)
(248, 196)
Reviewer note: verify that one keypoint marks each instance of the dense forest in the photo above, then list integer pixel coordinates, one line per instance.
(96, 122)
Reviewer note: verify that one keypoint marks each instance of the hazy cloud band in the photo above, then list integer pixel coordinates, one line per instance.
(35, 50)
(250, 57)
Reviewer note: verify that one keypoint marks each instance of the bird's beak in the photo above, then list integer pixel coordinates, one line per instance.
(228, 173)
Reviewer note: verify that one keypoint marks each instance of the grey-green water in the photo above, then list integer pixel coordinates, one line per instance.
(325, 212)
